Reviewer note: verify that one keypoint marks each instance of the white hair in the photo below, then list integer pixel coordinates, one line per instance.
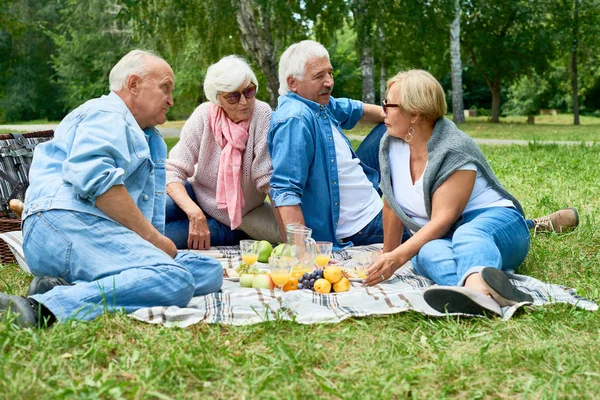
(133, 63)
(227, 75)
(293, 61)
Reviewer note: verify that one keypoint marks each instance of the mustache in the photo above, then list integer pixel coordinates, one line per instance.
(324, 91)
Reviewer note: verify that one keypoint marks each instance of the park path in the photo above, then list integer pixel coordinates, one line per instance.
(174, 132)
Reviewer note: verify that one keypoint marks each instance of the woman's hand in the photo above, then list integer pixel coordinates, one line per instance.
(383, 268)
(199, 234)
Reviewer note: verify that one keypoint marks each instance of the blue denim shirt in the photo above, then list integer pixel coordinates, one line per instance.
(97, 146)
(304, 162)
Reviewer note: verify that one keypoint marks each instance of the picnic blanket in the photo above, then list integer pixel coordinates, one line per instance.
(235, 305)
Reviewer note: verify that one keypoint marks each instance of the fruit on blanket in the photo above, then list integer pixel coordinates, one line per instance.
(264, 251)
(342, 286)
(246, 280)
(277, 250)
(333, 274)
(263, 281)
(322, 286)
(291, 284)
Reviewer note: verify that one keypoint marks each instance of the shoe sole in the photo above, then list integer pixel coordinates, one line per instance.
(501, 289)
(447, 301)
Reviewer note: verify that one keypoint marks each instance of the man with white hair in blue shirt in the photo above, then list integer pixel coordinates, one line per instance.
(94, 212)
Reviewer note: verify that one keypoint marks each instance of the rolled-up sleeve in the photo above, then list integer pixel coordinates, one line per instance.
(99, 155)
(292, 148)
(348, 112)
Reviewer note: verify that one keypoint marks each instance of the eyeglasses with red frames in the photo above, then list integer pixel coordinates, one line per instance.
(234, 97)
(388, 105)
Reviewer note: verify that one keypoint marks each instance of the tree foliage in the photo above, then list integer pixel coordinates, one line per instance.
(504, 40)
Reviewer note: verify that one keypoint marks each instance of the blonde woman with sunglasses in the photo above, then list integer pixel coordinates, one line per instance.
(218, 173)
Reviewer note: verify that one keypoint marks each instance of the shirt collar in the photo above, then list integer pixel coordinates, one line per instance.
(311, 104)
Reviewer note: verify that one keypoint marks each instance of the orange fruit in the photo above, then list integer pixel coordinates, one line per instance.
(291, 284)
(333, 274)
(322, 286)
(342, 286)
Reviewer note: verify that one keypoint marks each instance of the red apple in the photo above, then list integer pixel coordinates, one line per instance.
(263, 281)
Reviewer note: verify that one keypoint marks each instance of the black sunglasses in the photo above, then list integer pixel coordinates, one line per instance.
(234, 97)
(388, 105)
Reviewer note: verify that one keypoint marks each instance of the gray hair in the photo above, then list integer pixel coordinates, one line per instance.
(293, 61)
(133, 63)
(227, 75)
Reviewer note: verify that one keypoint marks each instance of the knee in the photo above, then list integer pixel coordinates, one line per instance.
(430, 254)
(177, 287)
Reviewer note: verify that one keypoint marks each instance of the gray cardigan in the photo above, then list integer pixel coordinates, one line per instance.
(448, 149)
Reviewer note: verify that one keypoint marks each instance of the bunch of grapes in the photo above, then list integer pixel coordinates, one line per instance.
(307, 281)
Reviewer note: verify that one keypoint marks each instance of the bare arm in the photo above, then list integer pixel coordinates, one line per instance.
(448, 203)
(117, 204)
(199, 234)
(392, 229)
(372, 114)
(291, 215)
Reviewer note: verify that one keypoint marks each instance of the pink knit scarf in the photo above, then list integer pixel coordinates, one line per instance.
(232, 138)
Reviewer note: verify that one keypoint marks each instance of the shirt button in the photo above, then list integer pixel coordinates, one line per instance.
(146, 197)
(334, 182)
(336, 205)
(330, 138)
(332, 160)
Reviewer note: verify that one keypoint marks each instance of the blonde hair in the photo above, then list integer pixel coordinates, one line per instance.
(420, 94)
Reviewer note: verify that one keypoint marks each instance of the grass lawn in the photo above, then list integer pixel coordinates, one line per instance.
(551, 352)
(546, 127)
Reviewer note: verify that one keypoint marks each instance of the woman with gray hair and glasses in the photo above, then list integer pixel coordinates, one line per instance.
(218, 173)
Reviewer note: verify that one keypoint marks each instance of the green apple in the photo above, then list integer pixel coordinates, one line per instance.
(263, 281)
(278, 249)
(246, 280)
(264, 251)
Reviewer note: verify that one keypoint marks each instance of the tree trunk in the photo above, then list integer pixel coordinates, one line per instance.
(495, 89)
(458, 114)
(368, 77)
(382, 70)
(574, 64)
(257, 43)
(363, 38)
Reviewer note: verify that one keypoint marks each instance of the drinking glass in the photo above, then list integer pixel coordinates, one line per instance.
(249, 250)
(323, 253)
(362, 264)
(280, 270)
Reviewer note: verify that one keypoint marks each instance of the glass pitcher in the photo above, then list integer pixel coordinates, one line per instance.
(301, 246)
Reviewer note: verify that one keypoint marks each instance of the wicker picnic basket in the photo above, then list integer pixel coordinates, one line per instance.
(16, 152)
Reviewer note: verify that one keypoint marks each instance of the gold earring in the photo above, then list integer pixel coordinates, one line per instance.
(409, 136)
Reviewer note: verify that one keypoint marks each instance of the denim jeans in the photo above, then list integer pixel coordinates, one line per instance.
(111, 267)
(372, 233)
(177, 227)
(496, 237)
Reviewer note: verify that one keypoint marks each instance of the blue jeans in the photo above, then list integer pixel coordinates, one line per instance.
(177, 227)
(496, 237)
(372, 233)
(112, 268)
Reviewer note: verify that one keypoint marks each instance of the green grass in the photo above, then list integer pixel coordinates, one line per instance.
(550, 352)
(547, 127)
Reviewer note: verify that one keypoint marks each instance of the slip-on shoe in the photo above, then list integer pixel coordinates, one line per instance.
(25, 308)
(456, 299)
(41, 285)
(501, 289)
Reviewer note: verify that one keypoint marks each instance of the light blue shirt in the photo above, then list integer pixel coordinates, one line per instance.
(99, 145)
(305, 170)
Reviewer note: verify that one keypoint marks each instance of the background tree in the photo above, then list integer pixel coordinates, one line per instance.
(456, 66)
(504, 40)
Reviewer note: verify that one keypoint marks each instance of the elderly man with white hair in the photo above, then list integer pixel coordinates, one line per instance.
(218, 173)
(317, 179)
(94, 211)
